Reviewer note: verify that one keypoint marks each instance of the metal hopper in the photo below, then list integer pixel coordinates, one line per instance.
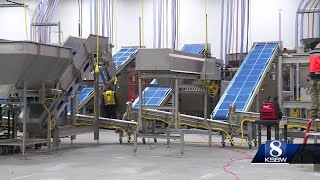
(32, 62)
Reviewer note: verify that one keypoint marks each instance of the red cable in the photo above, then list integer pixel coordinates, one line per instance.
(231, 161)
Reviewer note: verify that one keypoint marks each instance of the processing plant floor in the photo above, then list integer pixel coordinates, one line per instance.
(110, 160)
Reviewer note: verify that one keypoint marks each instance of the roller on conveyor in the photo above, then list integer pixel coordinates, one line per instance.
(247, 81)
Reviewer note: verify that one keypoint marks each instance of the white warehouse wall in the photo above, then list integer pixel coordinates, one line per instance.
(263, 25)
(12, 24)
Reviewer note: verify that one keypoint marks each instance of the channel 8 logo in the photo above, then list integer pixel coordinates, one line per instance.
(275, 152)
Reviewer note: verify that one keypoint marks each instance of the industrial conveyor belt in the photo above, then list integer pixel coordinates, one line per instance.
(79, 70)
(247, 81)
(155, 96)
(123, 57)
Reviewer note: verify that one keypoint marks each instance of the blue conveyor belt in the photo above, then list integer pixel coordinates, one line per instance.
(246, 81)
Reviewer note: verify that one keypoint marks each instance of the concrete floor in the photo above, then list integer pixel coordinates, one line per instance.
(110, 160)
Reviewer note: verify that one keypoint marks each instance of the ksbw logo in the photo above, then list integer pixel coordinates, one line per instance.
(276, 152)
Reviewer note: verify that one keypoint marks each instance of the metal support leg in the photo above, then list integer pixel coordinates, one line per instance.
(223, 139)
(177, 116)
(136, 132)
(205, 115)
(316, 130)
(285, 133)
(254, 134)
(259, 135)
(250, 134)
(14, 125)
(96, 107)
(280, 83)
(276, 131)
(25, 116)
(268, 132)
(56, 138)
(73, 116)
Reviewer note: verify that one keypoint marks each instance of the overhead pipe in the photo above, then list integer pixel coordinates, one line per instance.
(230, 30)
(107, 19)
(237, 29)
(103, 17)
(243, 10)
(159, 22)
(313, 23)
(313, 3)
(302, 19)
(154, 24)
(248, 25)
(297, 25)
(173, 29)
(227, 31)
(221, 31)
(90, 8)
(33, 28)
(94, 16)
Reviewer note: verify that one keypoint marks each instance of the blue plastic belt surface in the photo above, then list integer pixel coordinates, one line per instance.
(246, 80)
(193, 48)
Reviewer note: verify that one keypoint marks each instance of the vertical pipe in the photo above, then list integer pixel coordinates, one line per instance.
(159, 23)
(243, 10)
(107, 19)
(221, 30)
(173, 28)
(280, 83)
(248, 25)
(230, 31)
(297, 25)
(227, 32)
(280, 38)
(91, 29)
(167, 23)
(140, 44)
(103, 17)
(154, 25)
(302, 19)
(94, 16)
(59, 33)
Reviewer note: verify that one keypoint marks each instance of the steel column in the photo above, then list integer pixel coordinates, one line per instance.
(177, 116)
(140, 114)
(25, 116)
(96, 106)
(280, 82)
(73, 115)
